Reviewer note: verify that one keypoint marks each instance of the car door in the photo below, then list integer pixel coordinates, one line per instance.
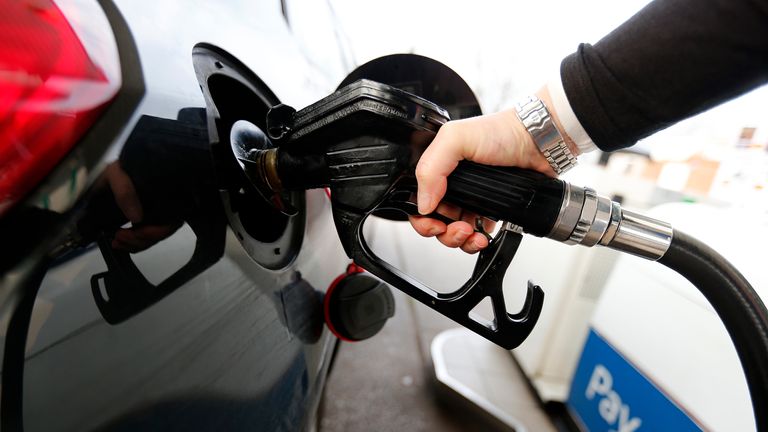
(167, 295)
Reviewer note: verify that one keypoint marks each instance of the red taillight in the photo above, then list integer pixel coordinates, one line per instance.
(51, 91)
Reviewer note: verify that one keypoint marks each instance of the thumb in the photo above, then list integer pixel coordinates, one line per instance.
(437, 162)
(124, 192)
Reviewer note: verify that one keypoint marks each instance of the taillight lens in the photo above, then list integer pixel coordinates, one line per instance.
(51, 89)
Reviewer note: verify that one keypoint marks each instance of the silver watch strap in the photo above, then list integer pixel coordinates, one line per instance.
(534, 115)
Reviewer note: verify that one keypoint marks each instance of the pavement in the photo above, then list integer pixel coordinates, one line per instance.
(387, 383)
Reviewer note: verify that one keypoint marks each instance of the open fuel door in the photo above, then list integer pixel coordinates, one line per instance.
(233, 93)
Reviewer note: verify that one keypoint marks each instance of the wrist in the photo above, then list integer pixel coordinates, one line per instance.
(538, 120)
(528, 154)
(545, 97)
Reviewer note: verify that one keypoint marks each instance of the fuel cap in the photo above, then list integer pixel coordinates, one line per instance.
(357, 306)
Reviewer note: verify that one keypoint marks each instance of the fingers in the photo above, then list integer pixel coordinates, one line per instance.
(426, 226)
(475, 243)
(124, 191)
(439, 159)
(459, 234)
(139, 238)
(429, 227)
(488, 225)
(456, 234)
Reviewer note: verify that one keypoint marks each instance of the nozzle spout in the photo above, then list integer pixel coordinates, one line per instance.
(300, 172)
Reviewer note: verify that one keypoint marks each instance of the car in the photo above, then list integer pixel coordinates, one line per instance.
(144, 284)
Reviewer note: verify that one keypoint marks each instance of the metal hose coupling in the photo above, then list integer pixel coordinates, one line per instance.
(587, 218)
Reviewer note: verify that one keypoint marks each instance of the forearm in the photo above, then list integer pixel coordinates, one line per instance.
(672, 60)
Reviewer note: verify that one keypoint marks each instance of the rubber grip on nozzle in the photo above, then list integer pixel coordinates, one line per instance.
(523, 197)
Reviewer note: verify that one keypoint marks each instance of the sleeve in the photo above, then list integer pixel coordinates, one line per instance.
(670, 61)
(570, 124)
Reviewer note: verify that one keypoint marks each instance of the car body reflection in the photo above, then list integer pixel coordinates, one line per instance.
(127, 300)
(230, 343)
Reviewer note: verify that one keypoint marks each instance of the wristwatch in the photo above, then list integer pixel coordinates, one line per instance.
(535, 117)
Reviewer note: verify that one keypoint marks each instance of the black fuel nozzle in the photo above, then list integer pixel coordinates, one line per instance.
(366, 138)
(364, 141)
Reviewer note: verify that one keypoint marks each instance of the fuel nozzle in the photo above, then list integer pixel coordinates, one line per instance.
(364, 141)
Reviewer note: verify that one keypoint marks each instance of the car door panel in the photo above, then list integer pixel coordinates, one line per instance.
(231, 344)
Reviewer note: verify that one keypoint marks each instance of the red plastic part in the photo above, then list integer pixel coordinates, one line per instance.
(352, 268)
(51, 92)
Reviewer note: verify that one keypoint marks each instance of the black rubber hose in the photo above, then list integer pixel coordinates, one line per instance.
(738, 305)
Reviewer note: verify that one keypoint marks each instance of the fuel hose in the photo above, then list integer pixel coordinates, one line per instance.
(574, 215)
(738, 305)
(552, 208)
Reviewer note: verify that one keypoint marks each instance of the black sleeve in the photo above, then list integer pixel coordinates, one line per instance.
(670, 61)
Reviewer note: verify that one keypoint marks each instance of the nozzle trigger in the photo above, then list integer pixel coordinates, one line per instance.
(506, 330)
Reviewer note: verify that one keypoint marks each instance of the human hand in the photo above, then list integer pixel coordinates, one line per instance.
(140, 236)
(497, 139)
